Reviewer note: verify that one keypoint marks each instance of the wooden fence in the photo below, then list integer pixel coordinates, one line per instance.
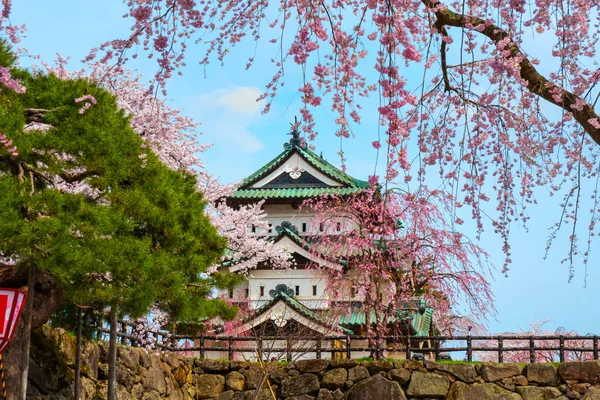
(567, 347)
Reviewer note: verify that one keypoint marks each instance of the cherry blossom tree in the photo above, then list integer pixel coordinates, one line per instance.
(246, 249)
(463, 96)
(461, 89)
(174, 138)
(397, 247)
(575, 349)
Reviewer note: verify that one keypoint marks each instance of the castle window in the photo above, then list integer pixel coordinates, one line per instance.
(338, 226)
(247, 292)
(262, 290)
(304, 227)
(297, 290)
(253, 228)
(352, 292)
(231, 293)
(270, 228)
(314, 290)
(321, 227)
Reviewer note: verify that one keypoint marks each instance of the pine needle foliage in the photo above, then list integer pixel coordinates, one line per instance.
(136, 235)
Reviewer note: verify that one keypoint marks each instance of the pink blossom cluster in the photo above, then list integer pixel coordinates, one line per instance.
(584, 347)
(145, 327)
(8, 145)
(10, 83)
(13, 33)
(89, 100)
(246, 249)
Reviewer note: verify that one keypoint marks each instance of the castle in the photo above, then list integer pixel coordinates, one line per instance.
(295, 302)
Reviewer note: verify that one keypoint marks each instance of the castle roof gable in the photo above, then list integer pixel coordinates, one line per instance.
(297, 172)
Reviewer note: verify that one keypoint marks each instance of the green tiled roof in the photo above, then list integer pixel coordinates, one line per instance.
(420, 323)
(298, 307)
(290, 193)
(347, 184)
(300, 241)
(322, 165)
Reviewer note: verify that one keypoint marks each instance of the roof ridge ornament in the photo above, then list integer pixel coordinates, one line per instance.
(296, 140)
(286, 225)
(281, 289)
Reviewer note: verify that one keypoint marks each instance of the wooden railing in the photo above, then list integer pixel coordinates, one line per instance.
(469, 348)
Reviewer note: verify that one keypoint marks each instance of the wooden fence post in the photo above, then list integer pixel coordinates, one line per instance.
(288, 349)
(437, 349)
(500, 350)
(332, 349)
(348, 348)
(230, 347)
(123, 331)
(595, 345)
(202, 353)
(318, 349)
(260, 348)
(531, 350)
(561, 350)
(469, 350)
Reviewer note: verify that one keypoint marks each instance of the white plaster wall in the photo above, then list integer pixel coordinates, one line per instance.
(305, 279)
(239, 292)
(269, 279)
(292, 278)
(278, 213)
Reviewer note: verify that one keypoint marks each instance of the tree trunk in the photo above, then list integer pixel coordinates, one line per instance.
(27, 328)
(112, 354)
(78, 355)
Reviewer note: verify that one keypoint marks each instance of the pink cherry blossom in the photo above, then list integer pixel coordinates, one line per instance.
(8, 146)
(7, 81)
(398, 247)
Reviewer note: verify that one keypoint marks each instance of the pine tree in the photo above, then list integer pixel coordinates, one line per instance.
(86, 202)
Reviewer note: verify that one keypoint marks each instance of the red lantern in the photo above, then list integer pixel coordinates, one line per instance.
(11, 305)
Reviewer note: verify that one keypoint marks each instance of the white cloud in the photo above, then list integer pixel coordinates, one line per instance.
(241, 99)
(227, 117)
(231, 134)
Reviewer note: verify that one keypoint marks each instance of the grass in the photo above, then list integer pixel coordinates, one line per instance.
(458, 362)
(370, 359)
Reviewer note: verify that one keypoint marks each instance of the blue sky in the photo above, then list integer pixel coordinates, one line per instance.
(224, 102)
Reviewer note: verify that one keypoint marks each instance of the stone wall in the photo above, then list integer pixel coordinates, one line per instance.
(154, 375)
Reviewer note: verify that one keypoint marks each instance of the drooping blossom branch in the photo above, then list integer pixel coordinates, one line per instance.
(397, 249)
(8, 31)
(460, 96)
